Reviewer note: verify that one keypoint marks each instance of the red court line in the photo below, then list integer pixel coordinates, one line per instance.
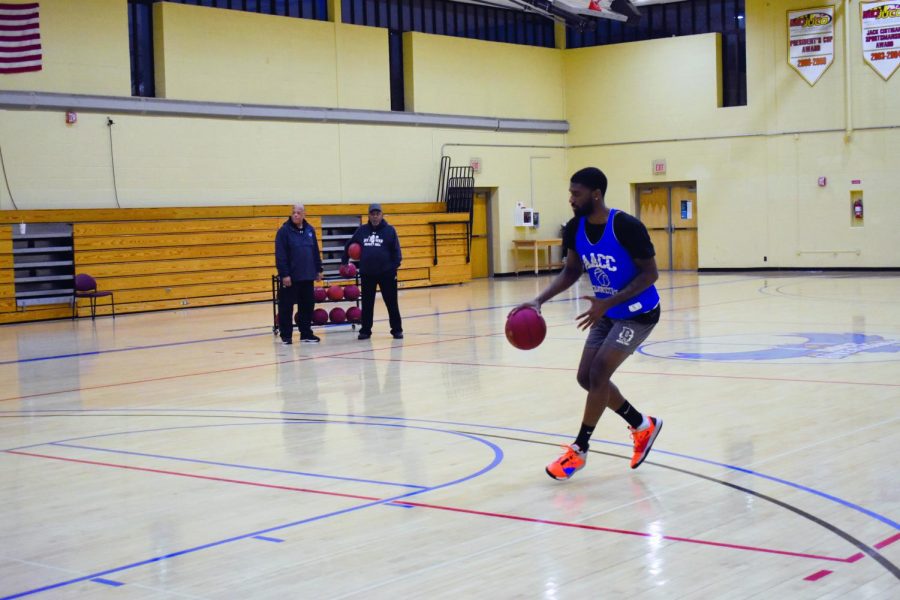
(818, 575)
(887, 542)
(191, 475)
(445, 508)
(855, 557)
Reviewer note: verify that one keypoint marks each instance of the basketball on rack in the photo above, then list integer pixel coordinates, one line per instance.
(525, 328)
(348, 270)
(354, 315)
(319, 294)
(351, 292)
(335, 292)
(337, 315)
(319, 316)
(354, 250)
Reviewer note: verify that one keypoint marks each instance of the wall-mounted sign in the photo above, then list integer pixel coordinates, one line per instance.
(659, 166)
(881, 36)
(811, 41)
(475, 163)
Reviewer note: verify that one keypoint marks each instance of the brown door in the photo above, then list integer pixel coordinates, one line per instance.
(653, 211)
(669, 212)
(479, 254)
(684, 227)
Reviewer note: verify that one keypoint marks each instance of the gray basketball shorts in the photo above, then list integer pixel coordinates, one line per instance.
(623, 335)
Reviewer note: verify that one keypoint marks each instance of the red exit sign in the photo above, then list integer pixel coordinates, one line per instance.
(659, 166)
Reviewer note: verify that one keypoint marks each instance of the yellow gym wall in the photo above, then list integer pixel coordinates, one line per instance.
(85, 50)
(220, 55)
(756, 166)
(460, 76)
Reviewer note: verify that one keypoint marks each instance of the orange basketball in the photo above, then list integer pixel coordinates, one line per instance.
(525, 328)
(335, 292)
(354, 250)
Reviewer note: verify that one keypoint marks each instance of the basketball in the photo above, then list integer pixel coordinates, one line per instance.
(319, 316)
(335, 292)
(354, 315)
(337, 315)
(348, 270)
(525, 328)
(351, 292)
(319, 294)
(354, 250)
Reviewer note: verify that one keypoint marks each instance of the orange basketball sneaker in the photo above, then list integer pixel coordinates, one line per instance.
(566, 465)
(643, 440)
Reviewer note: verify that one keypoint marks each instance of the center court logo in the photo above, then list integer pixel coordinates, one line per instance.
(811, 348)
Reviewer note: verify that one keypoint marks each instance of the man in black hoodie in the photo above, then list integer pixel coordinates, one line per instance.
(299, 264)
(378, 266)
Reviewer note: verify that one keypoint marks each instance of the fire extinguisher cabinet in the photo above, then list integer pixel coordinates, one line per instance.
(857, 214)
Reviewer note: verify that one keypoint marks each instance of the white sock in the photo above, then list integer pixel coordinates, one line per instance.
(645, 424)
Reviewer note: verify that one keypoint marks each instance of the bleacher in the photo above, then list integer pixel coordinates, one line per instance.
(170, 258)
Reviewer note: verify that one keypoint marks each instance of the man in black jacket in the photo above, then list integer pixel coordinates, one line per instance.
(299, 264)
(378, 264)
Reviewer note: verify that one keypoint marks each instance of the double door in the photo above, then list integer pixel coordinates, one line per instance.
(669, 211)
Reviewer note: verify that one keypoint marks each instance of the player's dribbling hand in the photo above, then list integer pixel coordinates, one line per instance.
(534, 304)
(591, 315)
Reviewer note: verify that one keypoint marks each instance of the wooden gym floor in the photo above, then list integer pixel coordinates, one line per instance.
(188, 454)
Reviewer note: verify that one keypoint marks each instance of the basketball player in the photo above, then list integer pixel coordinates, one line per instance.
(616, 251)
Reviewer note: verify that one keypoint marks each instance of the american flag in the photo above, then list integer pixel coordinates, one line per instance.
(20, 38)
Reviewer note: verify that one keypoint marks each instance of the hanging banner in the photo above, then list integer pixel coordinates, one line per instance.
(881, 36)
(811, 41)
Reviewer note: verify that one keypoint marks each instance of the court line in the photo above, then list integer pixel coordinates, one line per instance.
(128, 349)
(194, 476)
(865, 548)
(64, 571)
(344, 354)
(237, 466)
(230, 369)
(888, 541)
(324, 416)
(497, 459)
(878, 545)
(444, 508)
(433, 314)
(618, 372)
(826, 525)
(871, 552)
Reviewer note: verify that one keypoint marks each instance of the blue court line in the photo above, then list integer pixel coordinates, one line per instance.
(238, 466)
(250, 335)
(107, 581)
(268, 539)
(128, 349)
(840, 501)
(645, 350)
(497, 459)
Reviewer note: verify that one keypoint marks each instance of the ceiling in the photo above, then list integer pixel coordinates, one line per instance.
(578, 13)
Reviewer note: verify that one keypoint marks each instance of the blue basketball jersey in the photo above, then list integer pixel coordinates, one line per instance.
(611, 268)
